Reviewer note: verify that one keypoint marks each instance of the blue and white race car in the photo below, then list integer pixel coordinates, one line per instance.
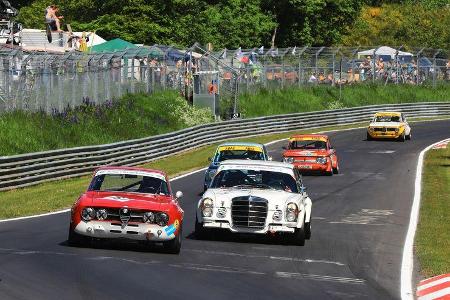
(234, 150)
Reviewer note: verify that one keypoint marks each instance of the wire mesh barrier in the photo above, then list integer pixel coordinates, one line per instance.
(31, 80)
(34, 168)
(52, 81)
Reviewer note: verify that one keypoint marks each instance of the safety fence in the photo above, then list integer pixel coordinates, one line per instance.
(34, 168)
(32, 80)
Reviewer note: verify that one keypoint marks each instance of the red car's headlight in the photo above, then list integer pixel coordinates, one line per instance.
(88, 213)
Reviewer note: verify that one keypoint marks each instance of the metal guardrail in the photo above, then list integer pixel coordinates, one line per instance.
(30, 169)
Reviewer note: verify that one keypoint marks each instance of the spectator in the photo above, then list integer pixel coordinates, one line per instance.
(312, 78)
(51, 18)
(447, 70)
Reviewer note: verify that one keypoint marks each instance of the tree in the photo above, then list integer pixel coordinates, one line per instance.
(312, 22)
(411, 25)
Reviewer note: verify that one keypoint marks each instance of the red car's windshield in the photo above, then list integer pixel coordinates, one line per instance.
(308, 145)
(129, 183)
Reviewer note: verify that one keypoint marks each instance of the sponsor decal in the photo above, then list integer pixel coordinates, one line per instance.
(247, 148)
(176, 224)
(170, 229)
(117, 198)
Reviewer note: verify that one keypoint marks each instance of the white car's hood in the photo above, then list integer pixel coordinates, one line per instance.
(275, 197)
(385, 124)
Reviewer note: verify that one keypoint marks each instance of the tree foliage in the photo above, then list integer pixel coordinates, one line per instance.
(312, 22)
(411, 25)
(251, 23)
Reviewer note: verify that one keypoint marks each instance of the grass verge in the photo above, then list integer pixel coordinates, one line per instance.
(56, 195)
(433, 240)
(60, 194)
(292, 100)
(136, 116)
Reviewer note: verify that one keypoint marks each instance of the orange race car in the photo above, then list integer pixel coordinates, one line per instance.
(311, 153)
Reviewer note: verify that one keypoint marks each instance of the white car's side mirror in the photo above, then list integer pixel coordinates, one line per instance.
(179, 194)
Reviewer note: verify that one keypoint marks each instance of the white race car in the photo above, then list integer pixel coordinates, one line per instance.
(256, 197)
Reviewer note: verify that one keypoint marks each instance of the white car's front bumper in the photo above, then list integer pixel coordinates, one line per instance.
(272, 228)
(135, 231)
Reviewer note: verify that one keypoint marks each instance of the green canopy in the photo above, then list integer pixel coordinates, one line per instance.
(112, 46)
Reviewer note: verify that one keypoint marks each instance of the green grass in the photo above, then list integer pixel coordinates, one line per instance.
(433, 232)
(133, 116)
(60, 194)
(291, 100)
(137, 116)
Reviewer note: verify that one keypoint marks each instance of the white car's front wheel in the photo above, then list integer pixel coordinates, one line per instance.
(299, 236)
(200, 232)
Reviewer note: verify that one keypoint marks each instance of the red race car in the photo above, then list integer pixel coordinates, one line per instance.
(311, 153)
(131, 203)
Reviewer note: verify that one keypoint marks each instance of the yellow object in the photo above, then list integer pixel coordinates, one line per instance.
(247, 148)
(83, 44)
(387, 129)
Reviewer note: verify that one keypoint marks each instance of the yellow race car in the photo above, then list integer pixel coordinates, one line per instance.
(389, 125)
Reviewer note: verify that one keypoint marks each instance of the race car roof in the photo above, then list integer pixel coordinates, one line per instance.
(256, 163)
(241, 144)
(387, 113)
(308, 137)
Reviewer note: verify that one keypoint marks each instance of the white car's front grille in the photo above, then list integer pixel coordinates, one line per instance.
(249, 212)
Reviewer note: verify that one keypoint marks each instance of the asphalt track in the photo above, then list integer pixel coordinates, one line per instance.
(360, 220)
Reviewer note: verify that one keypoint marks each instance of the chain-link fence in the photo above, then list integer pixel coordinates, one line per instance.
(301, 66)
(51, 81)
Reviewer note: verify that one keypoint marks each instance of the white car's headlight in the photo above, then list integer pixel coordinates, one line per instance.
(101, 214)
(288, 160)
(148, 217)
(207, 207)
(291, 212)
(88, 213)
(321, 160)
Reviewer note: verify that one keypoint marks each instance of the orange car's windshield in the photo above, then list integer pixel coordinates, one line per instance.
(309, 144)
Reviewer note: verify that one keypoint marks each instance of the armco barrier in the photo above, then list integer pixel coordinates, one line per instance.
(33, 168)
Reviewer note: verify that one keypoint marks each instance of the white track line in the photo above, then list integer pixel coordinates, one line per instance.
(406, 290)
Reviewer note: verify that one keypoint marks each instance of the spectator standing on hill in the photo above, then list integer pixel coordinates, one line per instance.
(51, 17)
(447, 69)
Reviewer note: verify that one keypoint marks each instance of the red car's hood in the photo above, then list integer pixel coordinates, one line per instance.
(294, 153)
(130, 200)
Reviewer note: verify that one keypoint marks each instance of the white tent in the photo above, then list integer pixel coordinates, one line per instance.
(383, 51)
(94, 39)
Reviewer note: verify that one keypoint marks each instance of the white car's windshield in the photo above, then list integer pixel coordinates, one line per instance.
(387, 119)
(225, 154)
(129, 183)
(309, 144)
(254, 179)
